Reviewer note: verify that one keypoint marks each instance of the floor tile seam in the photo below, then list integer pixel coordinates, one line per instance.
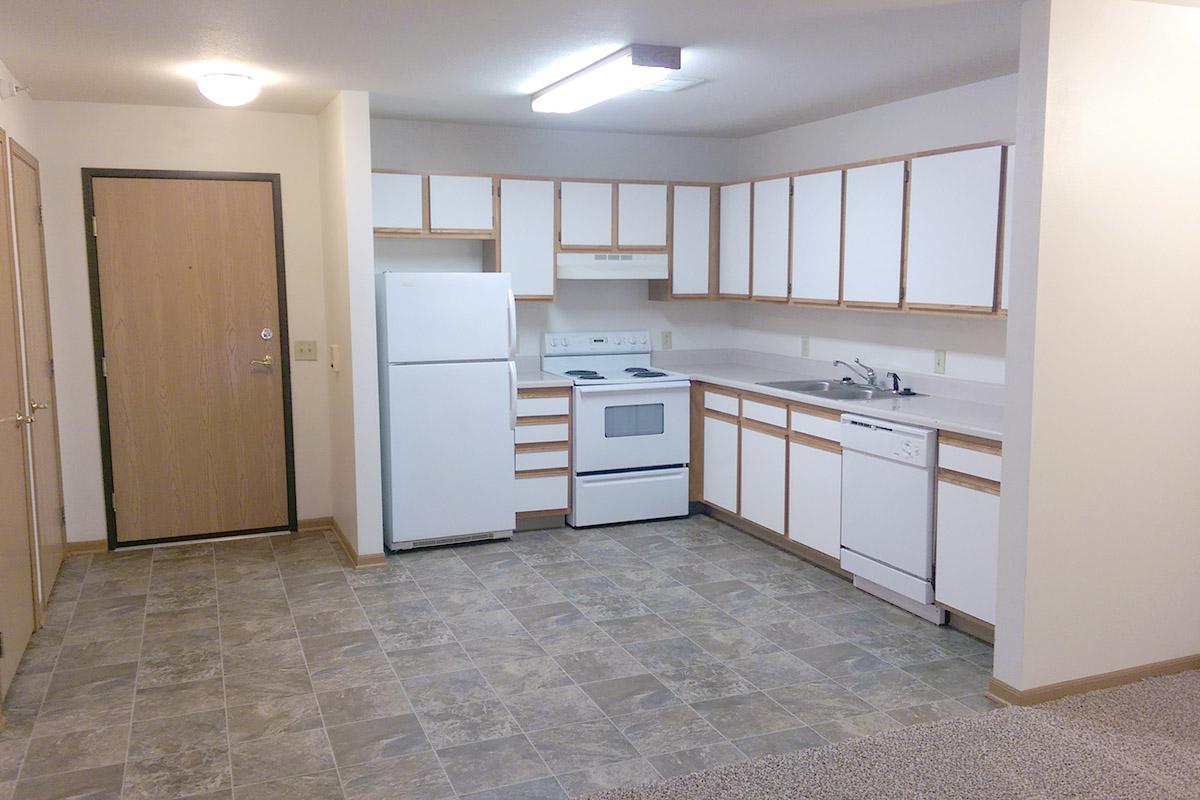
(308, 671)
(224, 692)
(400, 683)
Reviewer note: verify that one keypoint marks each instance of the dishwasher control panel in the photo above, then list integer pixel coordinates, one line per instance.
(908, 444)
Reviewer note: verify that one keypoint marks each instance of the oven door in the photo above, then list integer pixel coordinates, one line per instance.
(630, 426)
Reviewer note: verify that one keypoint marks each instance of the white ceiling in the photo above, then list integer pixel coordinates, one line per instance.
(769, 63)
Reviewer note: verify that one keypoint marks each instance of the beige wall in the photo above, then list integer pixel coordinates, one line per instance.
(76, 135)
(16, 114)
(1099, 551)
(349, 281)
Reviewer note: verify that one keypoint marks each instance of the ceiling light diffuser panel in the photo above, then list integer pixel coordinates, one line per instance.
(629, 69)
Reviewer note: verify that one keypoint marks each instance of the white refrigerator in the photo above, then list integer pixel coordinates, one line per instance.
(448, 392)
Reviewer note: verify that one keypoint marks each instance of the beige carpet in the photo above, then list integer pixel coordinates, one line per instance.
(1140, 741)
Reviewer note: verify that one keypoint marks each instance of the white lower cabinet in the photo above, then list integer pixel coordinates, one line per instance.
(720, 463)
(815, 497)
(764, 478)
(968, 529)
(542, 493)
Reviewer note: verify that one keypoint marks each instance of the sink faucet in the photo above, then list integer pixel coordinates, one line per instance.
(867, 375)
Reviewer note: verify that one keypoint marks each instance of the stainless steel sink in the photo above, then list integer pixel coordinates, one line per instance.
(834, 390)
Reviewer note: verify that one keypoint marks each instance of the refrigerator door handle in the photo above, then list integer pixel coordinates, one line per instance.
(512, 399)
(512, 324)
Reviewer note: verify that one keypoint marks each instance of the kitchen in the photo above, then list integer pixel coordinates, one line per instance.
(629, 444)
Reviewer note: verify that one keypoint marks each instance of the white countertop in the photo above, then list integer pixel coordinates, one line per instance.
(530, 376)
(957, 416)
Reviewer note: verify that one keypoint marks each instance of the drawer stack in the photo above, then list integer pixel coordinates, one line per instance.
(543, 440)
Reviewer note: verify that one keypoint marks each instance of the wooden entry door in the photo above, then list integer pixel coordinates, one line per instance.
(191, 338)
(16, 534)
(39, 362)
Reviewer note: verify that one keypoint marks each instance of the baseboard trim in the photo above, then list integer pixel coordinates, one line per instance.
(822, 560)
(87, 546)
(972, 626)
(330, 524)
(1002, 692)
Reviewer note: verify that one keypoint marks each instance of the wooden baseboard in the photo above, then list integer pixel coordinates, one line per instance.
(822, 560)
(330, 524)
(1002, 692)
(972, 626)
(88, 546)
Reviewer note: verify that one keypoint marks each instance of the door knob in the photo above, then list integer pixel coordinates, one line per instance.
(266, 361)
(19, 419)
(39, 406)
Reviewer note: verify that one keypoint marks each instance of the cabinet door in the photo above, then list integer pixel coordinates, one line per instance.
(641, 215)
(1009, 173)
(874, 228)
(720, 463)
(815, 497)
(691, 225)
(460, 203)
(968, 534)
(735, 240)
(764, 478)
(527, 236)
(586, 214)
(772, 200)
(817, 237)
(953, 213)
(396, 201)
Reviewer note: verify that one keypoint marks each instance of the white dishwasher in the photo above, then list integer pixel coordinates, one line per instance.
(888, 483)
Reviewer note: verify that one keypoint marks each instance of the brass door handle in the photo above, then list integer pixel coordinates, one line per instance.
(265, 362)
(20, 419)
(39, 406)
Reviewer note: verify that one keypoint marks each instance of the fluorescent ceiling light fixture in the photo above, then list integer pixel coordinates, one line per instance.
(228, 88)
(626, 70)
(673, 83)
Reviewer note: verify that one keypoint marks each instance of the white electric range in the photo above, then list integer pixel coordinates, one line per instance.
(630, 427)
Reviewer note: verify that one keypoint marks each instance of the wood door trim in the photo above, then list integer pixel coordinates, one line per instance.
(808, 440)
(89, 209)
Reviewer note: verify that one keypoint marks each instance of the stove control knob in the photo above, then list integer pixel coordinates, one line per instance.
(618, 340)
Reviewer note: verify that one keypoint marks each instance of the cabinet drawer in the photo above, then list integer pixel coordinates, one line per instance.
(554, 432)
(969, 460)
(542, 493)
(823, 426)
(541, 459)
(725, 403)
(765, 413)
(543, 406)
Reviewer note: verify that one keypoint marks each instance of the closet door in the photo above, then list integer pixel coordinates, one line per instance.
(39, 361)
(16, 563)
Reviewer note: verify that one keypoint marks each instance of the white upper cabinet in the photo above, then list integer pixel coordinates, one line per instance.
(954, 210)
(396, 201)
(735, 240)
(1009, 172)
(586, 214)
(817, 236)
(691, 227)
(874, 230)
(771, 220)
(527, 236)
(641, 215)
(460, 203)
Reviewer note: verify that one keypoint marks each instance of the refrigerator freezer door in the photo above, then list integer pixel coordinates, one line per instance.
(450, 451)
(432, 317)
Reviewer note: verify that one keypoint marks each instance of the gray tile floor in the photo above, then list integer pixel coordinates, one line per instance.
(556, 664)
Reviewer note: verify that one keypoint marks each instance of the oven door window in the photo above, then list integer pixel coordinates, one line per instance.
(635, 420)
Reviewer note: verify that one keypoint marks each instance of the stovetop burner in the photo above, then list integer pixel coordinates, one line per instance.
(648, 373)
(591, 377)
(582, 373)
(635, 369)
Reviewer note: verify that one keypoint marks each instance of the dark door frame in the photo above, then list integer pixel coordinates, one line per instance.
(98, 341)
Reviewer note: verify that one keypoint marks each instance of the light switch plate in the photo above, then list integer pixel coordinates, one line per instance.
(939, 362)
(666, 340)
(306, 350)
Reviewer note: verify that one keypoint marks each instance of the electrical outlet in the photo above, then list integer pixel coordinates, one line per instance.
(939, 362)
(804, 347)
(666, 340)
(306, 350)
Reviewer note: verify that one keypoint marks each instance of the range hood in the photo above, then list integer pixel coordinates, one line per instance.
(611, 266)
